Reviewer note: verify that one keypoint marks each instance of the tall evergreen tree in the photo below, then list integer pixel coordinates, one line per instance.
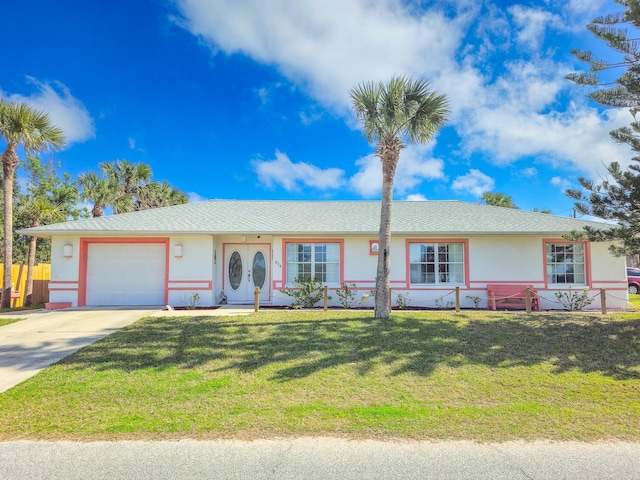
(617, 197)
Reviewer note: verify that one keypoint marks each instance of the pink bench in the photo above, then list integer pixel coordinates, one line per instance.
(14, 295)
(511, 296)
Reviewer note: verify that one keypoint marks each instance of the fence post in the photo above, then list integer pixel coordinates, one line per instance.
(457, 299)
(326, 297)
(256, 301)
(527, 298)
(390, 299)
(603, 300)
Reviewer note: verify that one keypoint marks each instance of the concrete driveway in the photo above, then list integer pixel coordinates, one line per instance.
(44, 337)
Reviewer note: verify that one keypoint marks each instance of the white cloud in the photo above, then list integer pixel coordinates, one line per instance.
(474, 182)
(416, 197)
(293, 176)
(65, 111)
(532, 24)
(561, 183)
(529, 172)
(326, 48)
(414, 167)
(195, 197)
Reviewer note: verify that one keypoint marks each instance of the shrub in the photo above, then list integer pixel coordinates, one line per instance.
(475, 299)
(402, 300)
(307, 292)
(574, 301)
(192, 302)
(347, 294)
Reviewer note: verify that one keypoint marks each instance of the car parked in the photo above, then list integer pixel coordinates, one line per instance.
(633, 279)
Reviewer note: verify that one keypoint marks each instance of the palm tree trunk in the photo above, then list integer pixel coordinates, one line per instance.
(9, 162)
(31, 261)
(383, 282)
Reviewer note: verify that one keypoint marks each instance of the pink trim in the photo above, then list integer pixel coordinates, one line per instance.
(587, 258)
(285, 241)
(84, 251)
(409, 241)
(57, 305)
(528, 282)
(208, 285)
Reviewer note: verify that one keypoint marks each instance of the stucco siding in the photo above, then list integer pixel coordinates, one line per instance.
(191, 270)
(64, 283)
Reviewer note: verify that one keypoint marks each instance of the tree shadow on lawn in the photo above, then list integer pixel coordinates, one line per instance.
(406, 343)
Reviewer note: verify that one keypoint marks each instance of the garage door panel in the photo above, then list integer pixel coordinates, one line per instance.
(126, 274)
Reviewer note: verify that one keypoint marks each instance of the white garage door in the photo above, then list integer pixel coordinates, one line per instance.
(126, 274)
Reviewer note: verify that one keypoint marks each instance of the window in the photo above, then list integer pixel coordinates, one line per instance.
(566, 263)
(436, 263)
(313, 260)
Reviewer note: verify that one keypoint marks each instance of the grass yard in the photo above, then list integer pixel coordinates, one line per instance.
(8, 321)
(481, 376)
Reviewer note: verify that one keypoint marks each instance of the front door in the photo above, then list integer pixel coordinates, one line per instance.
(246, 267)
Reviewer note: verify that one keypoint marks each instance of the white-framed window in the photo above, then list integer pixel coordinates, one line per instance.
(566, 263)
(436, 263)
(313, 260)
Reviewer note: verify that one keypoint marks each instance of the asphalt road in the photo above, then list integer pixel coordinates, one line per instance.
(318, 458)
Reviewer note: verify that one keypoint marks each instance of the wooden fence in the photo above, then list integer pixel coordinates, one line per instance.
(41, 276)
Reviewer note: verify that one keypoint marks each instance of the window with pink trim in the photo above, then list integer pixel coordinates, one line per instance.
(436, 263)
(320, 261)
(566, 263)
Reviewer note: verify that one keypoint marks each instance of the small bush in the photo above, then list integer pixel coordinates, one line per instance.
(307, 292)
(347, 294)
(441, 305)
(402, 300)
(192, 302)
(574, 301)
(475, 299)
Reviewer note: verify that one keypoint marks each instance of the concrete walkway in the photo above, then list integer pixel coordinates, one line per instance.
(44, 337)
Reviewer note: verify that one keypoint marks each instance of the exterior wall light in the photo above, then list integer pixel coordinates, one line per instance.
(177, 250)
(67, 250)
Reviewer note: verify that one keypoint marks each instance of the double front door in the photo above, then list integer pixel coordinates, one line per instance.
(246, 267)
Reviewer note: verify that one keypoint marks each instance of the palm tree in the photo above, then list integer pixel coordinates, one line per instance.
(131, 178)
(498, 200)
(20, 126)
(401, 109)
(155, 195)
(101, 191)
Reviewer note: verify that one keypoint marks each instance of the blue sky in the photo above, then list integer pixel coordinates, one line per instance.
(248, 99)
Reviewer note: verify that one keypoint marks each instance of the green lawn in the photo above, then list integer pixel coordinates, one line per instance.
(481, 376)
(8, 321)
(635, 301)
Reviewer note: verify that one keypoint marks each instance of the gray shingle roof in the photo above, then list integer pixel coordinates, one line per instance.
(318, 217)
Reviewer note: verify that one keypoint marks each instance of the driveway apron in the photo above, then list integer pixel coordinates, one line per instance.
(43, 338)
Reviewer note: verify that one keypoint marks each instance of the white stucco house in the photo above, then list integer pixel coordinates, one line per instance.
(224, 248)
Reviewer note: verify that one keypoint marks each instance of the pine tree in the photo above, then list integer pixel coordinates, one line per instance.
(616, 198)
